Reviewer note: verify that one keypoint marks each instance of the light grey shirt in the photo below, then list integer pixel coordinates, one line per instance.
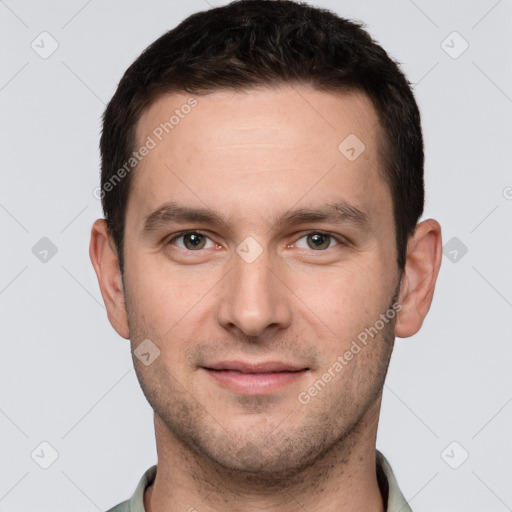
(387, 483)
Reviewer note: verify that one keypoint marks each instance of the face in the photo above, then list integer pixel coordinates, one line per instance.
(258, 256)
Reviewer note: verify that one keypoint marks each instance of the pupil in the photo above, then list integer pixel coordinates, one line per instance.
(319, 241)
(194, 239)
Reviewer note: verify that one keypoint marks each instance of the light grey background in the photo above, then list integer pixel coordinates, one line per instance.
(66, 378)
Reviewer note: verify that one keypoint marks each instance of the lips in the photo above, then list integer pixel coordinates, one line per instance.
(255, 368)
(264, 378)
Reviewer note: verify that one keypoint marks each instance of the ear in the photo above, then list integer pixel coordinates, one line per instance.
(104, 259)
(423, 260)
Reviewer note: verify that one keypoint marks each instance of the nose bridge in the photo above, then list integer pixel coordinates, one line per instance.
(253, 298)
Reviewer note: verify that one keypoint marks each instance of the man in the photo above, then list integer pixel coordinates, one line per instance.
(262, 182)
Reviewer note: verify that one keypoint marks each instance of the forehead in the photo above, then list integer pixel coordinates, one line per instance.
(274, 145)
(285, 114)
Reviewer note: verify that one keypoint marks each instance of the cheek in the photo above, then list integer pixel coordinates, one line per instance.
(339, 288)
(169, 305)
(343, 300)
(152, 281)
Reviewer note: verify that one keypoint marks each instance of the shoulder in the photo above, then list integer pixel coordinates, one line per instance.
(122, 507)
(136, 502)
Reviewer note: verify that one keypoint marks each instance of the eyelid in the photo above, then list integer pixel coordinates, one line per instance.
(188, 232)
(341, 240)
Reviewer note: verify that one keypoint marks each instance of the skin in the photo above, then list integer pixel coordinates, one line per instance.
(251, 156)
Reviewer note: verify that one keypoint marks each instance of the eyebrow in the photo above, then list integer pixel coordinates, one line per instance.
(334, 213)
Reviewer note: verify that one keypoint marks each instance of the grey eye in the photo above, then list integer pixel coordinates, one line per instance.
(317, 241)
(192, 241)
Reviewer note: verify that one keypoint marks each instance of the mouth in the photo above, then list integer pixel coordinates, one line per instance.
(254, 378)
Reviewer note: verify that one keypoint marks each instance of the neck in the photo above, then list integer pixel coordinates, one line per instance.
(344, 478)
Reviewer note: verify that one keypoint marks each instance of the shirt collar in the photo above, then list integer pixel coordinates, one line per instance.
(387, 483)
(389, 486)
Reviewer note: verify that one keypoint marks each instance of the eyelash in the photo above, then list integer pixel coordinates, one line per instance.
(340, 240)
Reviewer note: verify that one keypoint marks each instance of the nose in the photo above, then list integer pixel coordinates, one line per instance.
(254, 299)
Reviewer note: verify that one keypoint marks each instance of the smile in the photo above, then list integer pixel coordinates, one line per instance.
(254, 379)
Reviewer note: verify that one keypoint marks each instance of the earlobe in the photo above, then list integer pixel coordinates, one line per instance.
(106, 265)
(423, 261)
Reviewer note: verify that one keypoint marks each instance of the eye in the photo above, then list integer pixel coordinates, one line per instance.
(317, 241)
(192, 241)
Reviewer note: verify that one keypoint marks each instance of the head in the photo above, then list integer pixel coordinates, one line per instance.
(262, 182)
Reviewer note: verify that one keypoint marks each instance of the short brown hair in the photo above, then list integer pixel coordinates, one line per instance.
(250, 43)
